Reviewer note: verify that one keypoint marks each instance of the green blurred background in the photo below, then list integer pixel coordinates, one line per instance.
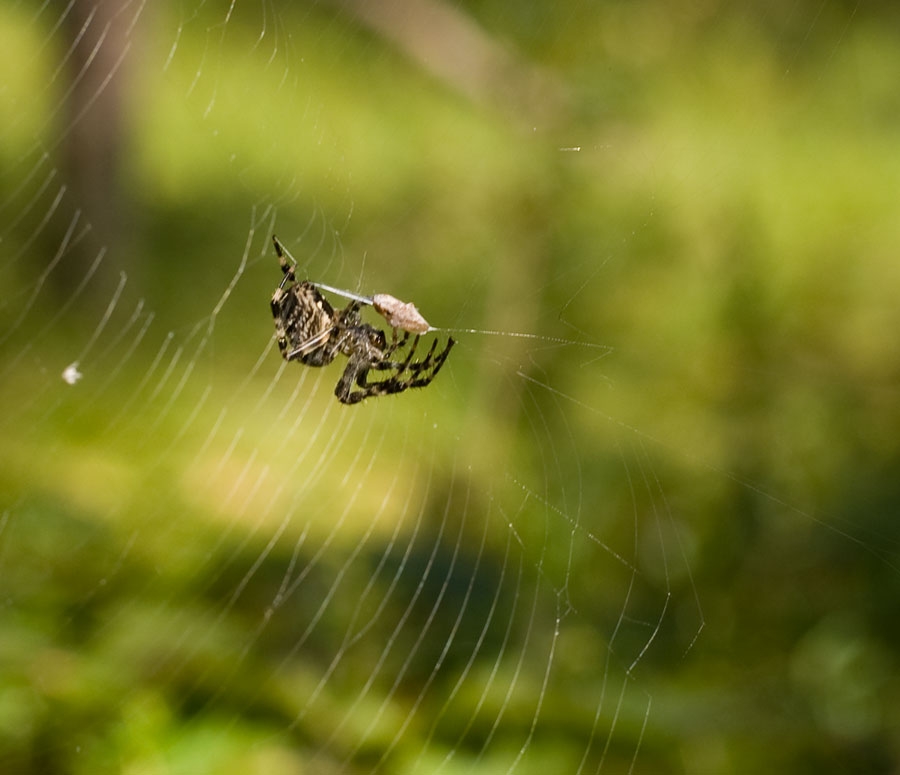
(662, 537)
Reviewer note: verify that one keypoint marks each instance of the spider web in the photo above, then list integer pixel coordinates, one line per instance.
(643, 519)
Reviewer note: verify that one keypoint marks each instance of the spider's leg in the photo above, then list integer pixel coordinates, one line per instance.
(282, 306)
(354, 373)
(416, 368)
(397, 343)
(404, 364)
(419, 374)
(357, 373)
(436, 365)
(372, 389)
(286, 268)
(407, 374)
(277, 304)
(426, 362)
(309, 344)
(397, 366)
(349, 315)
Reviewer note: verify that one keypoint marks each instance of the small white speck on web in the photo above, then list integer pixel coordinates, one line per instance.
(71, 374)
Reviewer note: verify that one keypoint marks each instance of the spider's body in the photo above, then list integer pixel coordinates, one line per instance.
(308, 329)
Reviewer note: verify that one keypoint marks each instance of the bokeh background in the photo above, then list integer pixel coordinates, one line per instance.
(660, 535)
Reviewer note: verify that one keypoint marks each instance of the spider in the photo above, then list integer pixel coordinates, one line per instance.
(310, 330)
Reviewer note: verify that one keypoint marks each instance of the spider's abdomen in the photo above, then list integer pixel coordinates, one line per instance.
(304, 324)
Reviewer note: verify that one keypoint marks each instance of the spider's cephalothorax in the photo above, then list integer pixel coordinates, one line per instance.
(308, 329)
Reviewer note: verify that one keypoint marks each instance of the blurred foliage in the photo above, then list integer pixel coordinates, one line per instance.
(726, 233)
